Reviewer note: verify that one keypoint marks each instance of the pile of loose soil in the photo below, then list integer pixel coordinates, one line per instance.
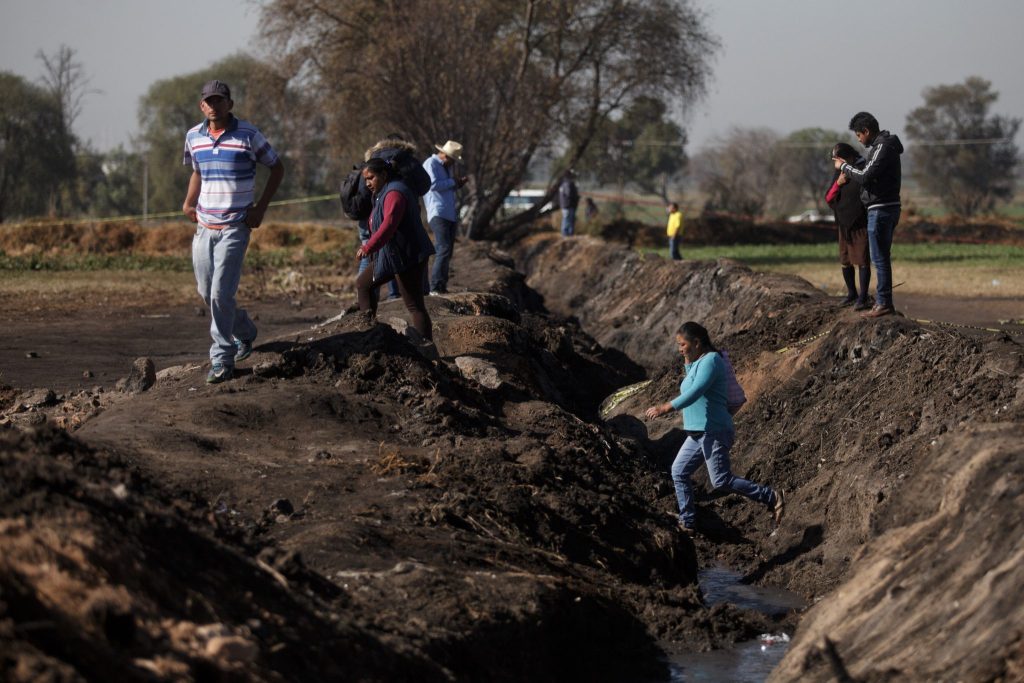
(894, 442)
(468, 510)
(463, 511)
(720, 229)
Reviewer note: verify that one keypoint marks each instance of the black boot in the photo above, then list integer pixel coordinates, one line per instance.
(851, 288)
(865, 282)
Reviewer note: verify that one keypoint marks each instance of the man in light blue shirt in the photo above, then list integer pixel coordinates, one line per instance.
(442, 214)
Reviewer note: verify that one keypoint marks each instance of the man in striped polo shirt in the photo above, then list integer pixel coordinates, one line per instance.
(223, 152)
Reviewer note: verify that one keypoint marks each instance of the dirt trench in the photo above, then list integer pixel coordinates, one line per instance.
(470, 516)
(898, 445)
(460, 517)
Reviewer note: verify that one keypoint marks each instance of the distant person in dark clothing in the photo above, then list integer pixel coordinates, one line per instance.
(879, 181)
(568, 200)
(852, 221)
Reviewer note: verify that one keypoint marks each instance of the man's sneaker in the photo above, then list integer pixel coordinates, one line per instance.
(219, 373)
(780, 506)
(243, 349)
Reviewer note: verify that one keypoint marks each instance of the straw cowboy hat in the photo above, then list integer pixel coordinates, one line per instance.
(452, 149)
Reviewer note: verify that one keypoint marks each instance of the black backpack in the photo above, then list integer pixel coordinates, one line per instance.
(356, 199)
(408, 168)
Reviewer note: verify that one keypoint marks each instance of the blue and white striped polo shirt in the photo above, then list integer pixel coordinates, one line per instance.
(227, 166)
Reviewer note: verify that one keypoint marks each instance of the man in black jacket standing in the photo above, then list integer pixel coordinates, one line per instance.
(879, 180)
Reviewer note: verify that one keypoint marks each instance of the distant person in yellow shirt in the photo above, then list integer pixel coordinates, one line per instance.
(674, 230)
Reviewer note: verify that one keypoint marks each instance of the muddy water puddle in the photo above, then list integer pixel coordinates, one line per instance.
(746, 662)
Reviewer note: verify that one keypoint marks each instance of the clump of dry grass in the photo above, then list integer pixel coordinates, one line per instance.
(157, 240)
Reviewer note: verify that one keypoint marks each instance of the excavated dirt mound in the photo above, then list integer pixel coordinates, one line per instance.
(358, 504)
(106, 576)
(462, 507)
(711, 229)
(895, 442)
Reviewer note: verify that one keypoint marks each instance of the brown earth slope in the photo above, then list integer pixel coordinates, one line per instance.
(468, 512)
(898, 445)
(469, 516)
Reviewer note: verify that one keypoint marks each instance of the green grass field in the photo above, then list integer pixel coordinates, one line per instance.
(941, 269)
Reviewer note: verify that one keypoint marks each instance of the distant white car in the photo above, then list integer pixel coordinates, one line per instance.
(518, 201)
(812, 216)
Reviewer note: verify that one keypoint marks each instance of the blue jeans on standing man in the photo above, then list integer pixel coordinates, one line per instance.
(217, 257)
(568, 222)
(711, 448)
(444, 245)
(673, 249)
(881, 226)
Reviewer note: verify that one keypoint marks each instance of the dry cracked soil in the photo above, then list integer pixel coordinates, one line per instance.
(358, 506)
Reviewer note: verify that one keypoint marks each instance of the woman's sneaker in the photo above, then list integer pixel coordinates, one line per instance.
(219, 373)
(243, 349)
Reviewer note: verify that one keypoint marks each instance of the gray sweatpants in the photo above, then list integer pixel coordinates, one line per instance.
(217, 257)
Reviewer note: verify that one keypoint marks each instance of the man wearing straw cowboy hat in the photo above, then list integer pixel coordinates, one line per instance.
(442, 216)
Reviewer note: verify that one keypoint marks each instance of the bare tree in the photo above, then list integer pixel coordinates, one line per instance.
(507, 79)
(970, 160)
(805, 168)
(65, 78)
(738, 171)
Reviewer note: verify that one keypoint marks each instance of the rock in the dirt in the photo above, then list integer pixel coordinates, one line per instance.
(38, 398)
(479, 370)
(232, 649)
(32, 418)
(87, 374)
(141, 377)
(400, 325)
(31, 354)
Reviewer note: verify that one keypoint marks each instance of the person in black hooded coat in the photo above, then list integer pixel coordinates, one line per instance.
(852, 220)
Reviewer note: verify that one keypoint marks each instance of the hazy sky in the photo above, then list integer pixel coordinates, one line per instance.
(784, 64)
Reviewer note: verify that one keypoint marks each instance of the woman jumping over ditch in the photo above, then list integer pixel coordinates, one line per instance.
(709, 429)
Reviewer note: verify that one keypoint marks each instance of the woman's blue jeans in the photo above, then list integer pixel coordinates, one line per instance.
(712, 449)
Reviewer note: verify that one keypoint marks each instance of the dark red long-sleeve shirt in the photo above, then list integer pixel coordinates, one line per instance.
(394, 211)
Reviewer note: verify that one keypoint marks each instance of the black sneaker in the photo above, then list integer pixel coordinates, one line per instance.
(848, 301)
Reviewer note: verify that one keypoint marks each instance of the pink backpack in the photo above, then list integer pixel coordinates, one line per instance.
(734, 396)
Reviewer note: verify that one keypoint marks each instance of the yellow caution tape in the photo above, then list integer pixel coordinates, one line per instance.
(154, 216)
